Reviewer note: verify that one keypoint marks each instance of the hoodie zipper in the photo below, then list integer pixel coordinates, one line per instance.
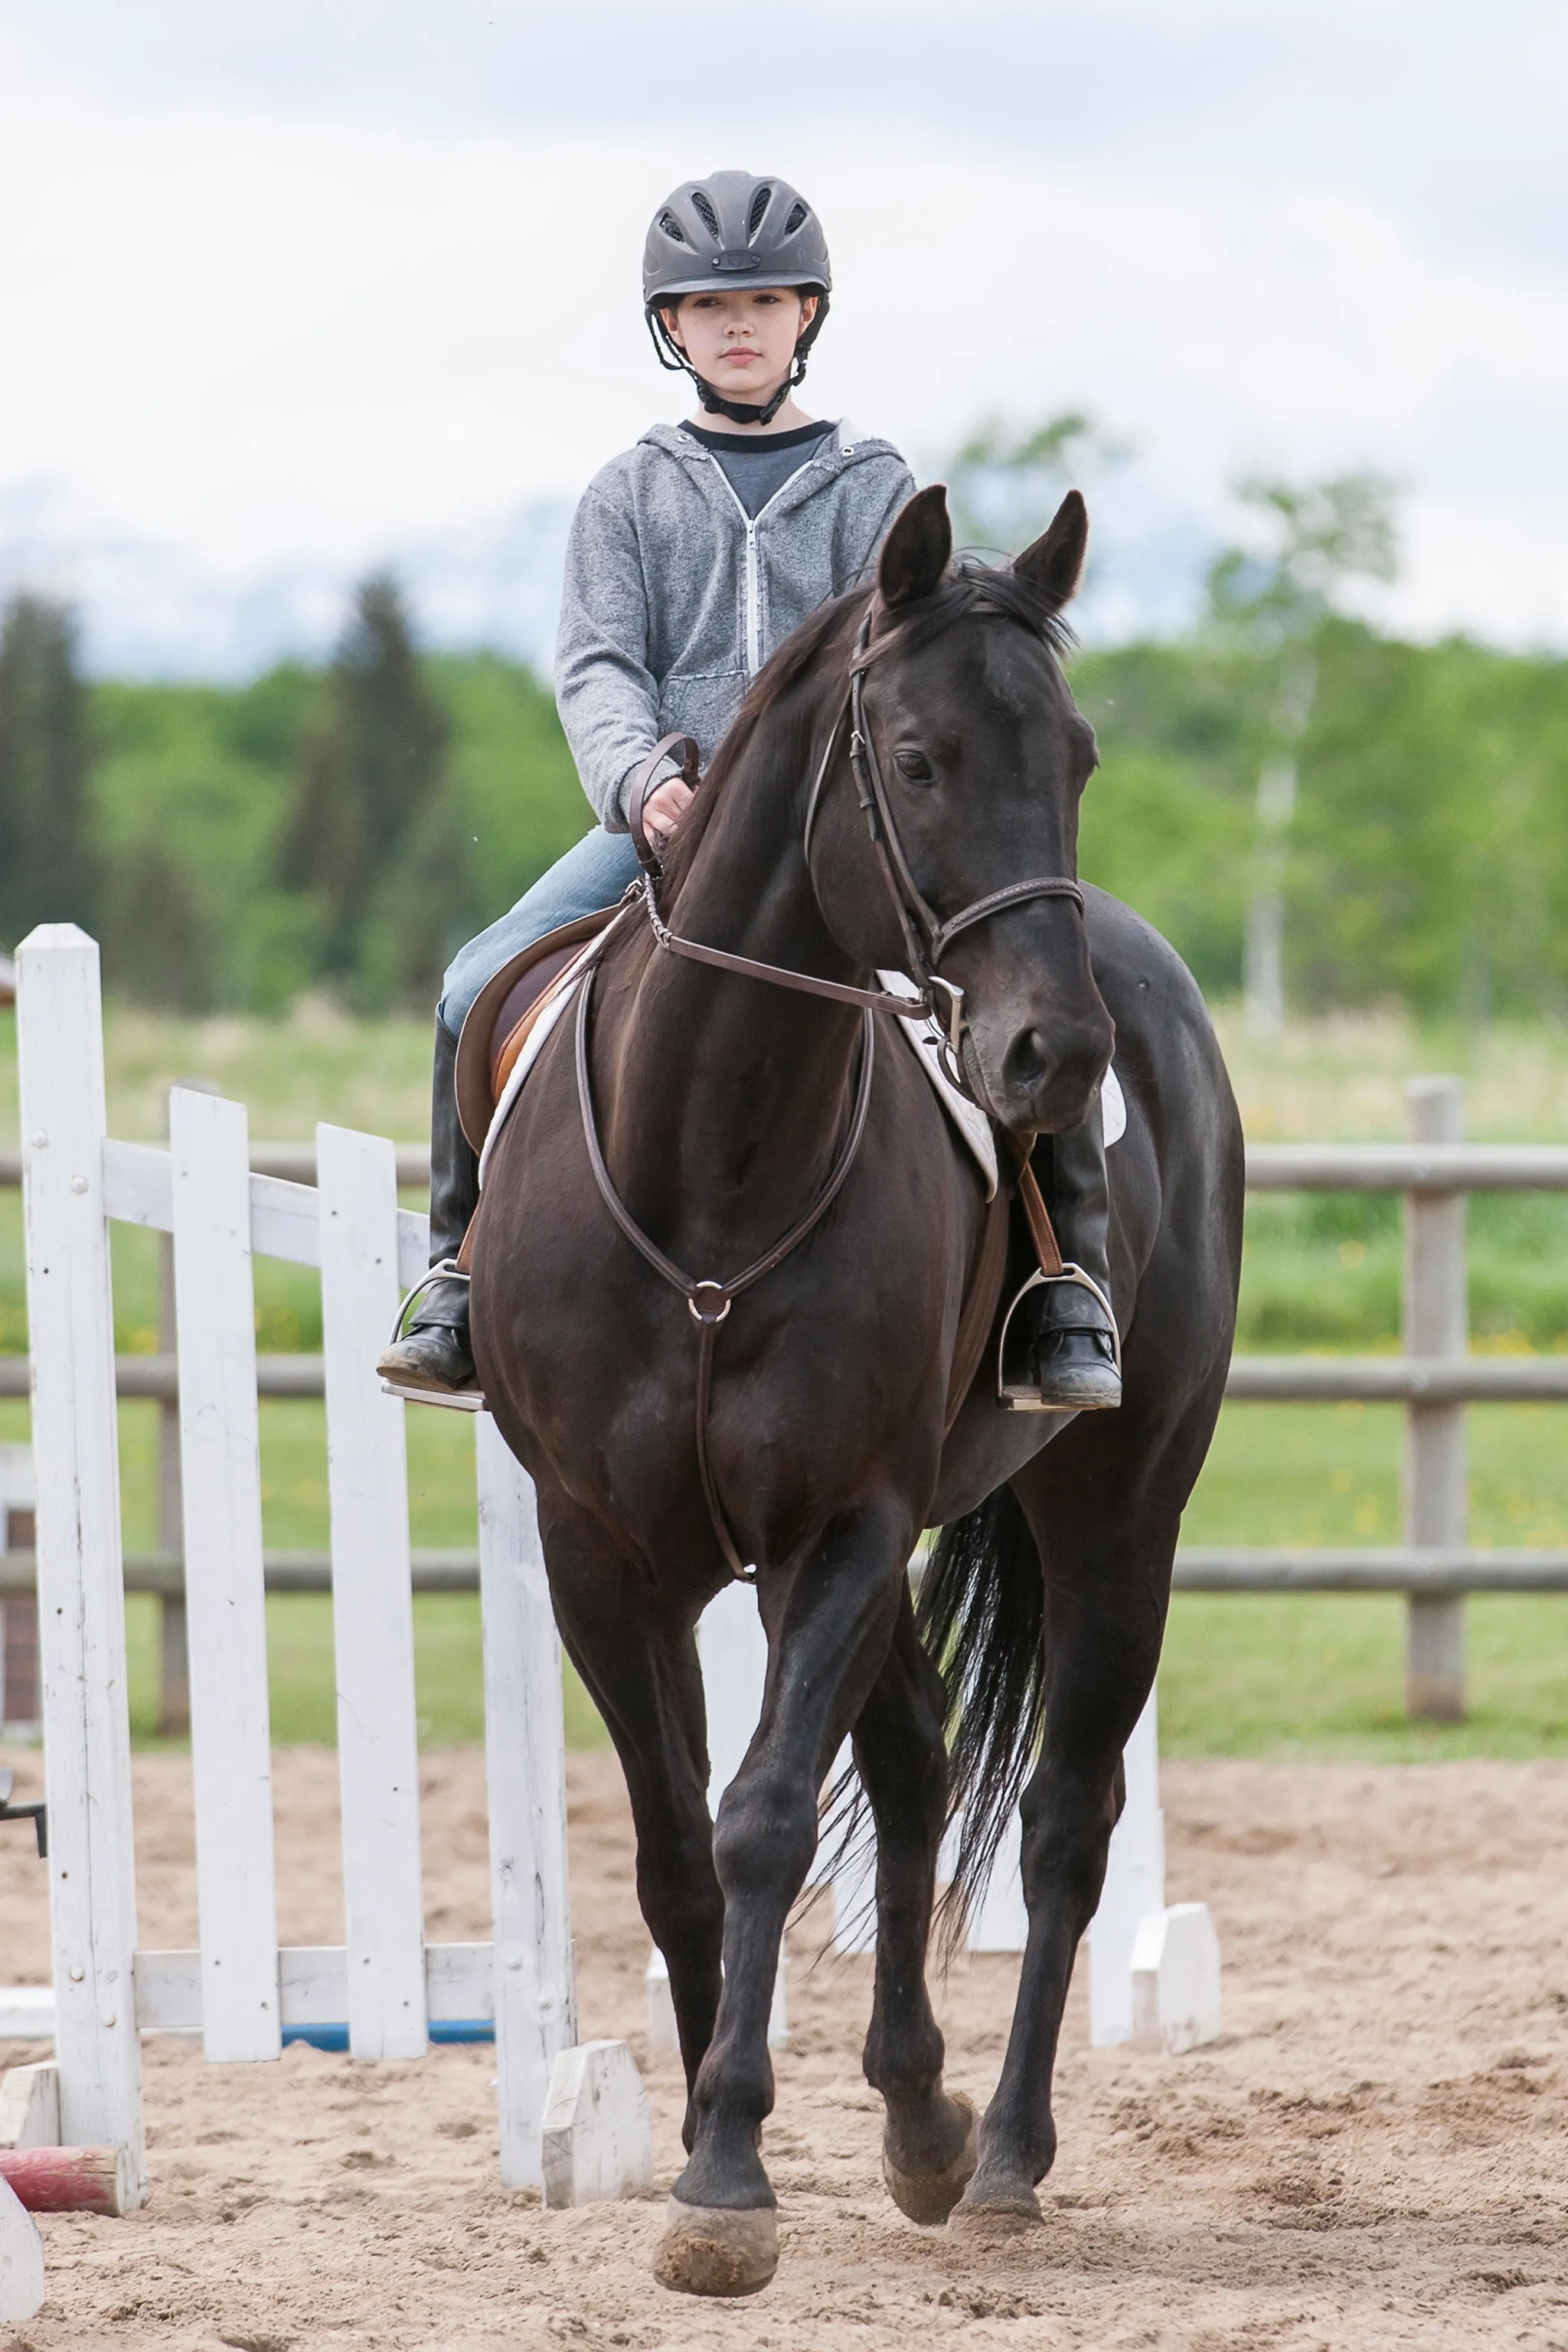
(752, 614)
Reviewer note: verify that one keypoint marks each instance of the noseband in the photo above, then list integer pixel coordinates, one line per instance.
(926, 940)
(927, 937)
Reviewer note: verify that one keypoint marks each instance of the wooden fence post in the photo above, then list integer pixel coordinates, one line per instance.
(372, 1604)
(173, 1639)
(1134, 1884)
(82, 1589)
(535, 1987)
(220, 1451)
(1437, 1323)
(21, 1693)
(734, 1650)
(174, 1658)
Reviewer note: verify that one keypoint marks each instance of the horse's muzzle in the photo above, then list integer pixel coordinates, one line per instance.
(1044, 1075)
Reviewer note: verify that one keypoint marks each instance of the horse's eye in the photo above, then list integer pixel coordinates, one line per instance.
(914, 765)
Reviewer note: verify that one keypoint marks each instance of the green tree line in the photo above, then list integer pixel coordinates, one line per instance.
(349, 825)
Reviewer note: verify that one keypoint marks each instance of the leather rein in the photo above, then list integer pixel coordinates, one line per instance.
(926, 940)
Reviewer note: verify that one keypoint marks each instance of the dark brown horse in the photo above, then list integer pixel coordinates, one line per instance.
(723, 1103)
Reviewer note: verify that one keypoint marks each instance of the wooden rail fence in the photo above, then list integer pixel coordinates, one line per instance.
(1434, 1378)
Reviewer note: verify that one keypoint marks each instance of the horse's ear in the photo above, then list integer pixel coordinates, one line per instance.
(1053, 566)
(917, 551)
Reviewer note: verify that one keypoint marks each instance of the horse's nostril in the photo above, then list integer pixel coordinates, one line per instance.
(1027, 1061)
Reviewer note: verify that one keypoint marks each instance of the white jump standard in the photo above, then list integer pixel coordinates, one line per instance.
(384, 1992)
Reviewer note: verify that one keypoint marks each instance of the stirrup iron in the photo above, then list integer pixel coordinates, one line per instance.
(446, 1269)
(1018, 1395)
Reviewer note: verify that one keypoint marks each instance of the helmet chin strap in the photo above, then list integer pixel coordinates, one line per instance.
(672, 356)
(740, 412)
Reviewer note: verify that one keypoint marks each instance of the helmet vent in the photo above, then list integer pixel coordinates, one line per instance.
(760, 203)
(705, 212)
(672, 227)
(799, 214)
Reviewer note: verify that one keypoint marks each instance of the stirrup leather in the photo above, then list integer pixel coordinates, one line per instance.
(1016, 1392)
(446, 1269)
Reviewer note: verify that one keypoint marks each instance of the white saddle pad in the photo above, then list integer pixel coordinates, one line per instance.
(925, 1035)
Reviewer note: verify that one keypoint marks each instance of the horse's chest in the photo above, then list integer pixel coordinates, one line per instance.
(833, 1358)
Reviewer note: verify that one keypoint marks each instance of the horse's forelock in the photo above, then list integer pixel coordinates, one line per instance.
(972, 586)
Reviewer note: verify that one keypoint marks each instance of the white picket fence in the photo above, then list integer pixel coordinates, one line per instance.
(735, 1666)
(385, 1989)
(389, 1989)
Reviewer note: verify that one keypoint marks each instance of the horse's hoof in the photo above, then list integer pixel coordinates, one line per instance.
(709, 2249)
(1003, 2213)
(929, 2196)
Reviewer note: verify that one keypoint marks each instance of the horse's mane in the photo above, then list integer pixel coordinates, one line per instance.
(773, 683)
(968, 586)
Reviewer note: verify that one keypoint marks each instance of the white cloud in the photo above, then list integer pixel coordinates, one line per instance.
(259, 333)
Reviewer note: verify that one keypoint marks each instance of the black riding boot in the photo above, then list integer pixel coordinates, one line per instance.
(1073, 1336)
(432, 1359)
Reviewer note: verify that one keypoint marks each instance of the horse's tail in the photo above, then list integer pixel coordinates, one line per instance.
(982, 1615)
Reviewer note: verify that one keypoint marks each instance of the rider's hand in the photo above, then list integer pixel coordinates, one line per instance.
(663, 810)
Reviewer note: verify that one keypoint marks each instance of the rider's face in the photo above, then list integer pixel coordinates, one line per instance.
(742, 342)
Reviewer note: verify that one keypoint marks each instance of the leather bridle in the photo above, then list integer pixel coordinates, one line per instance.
(926, 938)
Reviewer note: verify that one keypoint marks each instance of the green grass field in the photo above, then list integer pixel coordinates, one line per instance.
(1317, 1675)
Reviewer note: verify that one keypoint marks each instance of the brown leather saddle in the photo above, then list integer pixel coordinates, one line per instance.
(502, 1016)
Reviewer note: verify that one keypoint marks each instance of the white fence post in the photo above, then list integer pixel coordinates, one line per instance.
(21, 1692)
(372, 1602)
(1437, 1323)
(174, 1648)
(81, 1600)
(535, 1994)
(732, 1645)
(733, 1649)
(999, 1919)
(1134, 1885)
(225, 1603)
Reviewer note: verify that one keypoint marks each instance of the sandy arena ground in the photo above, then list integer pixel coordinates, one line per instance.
(1375, 2155)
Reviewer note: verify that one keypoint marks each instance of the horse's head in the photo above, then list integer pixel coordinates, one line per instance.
(979, 759)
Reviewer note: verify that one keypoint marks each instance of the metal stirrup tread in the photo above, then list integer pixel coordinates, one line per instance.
(446, 1269)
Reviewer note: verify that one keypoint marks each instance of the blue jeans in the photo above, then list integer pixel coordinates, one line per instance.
(594, 874)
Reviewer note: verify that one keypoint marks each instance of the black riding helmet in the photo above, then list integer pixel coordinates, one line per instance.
(731, 228)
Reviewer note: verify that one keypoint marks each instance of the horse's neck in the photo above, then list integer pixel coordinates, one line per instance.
(725, 1098)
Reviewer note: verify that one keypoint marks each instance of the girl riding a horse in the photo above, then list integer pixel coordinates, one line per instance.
(691, 557)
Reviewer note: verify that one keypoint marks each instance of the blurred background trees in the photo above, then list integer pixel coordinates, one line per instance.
(1005, 481)
(341, 829)
(47, 866)
(1277, 604)
(1301, 802)
(373, 838)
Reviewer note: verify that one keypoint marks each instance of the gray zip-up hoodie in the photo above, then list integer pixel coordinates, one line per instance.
(673, 598)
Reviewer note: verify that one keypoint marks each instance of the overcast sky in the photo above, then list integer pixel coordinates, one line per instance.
(290, 288)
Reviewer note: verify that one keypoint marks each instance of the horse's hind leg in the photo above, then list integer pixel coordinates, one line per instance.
(928, 2144)
(1104, 1505)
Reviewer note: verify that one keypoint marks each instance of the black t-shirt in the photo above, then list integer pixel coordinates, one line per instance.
(758, 465)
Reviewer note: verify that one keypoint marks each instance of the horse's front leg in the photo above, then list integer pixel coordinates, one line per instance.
(829, 1624)
(637, 1653)
(929, 2142)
